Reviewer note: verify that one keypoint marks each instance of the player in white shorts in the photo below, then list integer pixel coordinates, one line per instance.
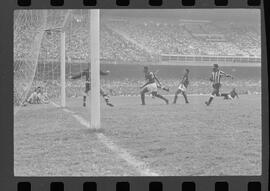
(151, 86)
(182, 88)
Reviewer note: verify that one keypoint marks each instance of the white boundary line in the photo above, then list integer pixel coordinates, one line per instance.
(141, 167)
(122, 153)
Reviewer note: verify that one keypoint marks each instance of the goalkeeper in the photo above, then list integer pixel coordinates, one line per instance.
(37, 97)
(86, 73)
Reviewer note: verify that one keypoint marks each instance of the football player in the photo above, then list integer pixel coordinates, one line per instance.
(215, 79)
(86, 73)
(229, 96)
(37, 97)
(151, 85)
(182, 87)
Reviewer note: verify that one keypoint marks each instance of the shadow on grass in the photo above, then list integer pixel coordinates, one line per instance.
(94, 130)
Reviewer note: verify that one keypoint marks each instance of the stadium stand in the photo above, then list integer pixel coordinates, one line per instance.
(141, 40)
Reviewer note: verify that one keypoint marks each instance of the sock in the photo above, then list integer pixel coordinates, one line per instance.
(210, 100)
(175, 98)
(84, 100)
(143, 98)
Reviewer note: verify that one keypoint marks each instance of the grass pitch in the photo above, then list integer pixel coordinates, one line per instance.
(182, 139)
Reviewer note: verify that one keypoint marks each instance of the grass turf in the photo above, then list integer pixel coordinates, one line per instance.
(182, 139)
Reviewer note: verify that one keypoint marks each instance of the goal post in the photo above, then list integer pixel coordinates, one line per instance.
(95, 67)
(63, 68)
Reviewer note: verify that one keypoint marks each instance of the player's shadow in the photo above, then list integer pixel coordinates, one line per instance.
(94, 130)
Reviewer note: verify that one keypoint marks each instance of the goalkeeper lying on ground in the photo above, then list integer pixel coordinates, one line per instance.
(37, 97)
(86, 73)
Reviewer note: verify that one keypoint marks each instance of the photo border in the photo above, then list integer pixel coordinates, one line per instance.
(7, 179)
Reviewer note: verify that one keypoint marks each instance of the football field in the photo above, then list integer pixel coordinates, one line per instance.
(155, 139)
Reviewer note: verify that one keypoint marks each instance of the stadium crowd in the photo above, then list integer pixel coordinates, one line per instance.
(141, 40)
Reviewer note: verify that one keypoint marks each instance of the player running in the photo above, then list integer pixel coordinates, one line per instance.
(86, 73)
(182, 87)
(151, 85)
(231, 95)
(215, 79)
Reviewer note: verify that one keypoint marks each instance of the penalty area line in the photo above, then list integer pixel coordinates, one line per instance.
(140, 166)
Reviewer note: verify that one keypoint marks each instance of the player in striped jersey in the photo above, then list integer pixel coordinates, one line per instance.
(215, 79)
(86, 73)
(182, 87)
(151, 85)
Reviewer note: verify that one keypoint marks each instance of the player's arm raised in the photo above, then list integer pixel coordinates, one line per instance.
(225, 74)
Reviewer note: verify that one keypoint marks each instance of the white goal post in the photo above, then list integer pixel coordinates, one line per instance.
(95, 67)
(94, 60)
(63, 68)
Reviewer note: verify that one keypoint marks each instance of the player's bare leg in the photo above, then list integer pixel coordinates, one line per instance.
(215, 92)
(185, 96)
(143, 95)
(160, 96)
(210, 100)
(176, 95)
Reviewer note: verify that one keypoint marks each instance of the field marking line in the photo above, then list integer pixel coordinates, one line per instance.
(54, 104)
(141, 167)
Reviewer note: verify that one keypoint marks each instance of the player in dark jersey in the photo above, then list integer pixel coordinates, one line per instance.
(229, 96)
(182, 87)
(215, 79)
(151, 85)
(87, 73)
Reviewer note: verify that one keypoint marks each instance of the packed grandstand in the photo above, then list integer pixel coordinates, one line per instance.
(133, 39)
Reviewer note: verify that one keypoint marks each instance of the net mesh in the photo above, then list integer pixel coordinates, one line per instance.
(76, 54)
(28, 33)
(37, 49)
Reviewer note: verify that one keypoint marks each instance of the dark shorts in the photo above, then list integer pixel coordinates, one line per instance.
(87, 87)
(216, 88)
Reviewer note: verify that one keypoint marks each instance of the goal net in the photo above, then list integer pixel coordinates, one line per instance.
(37, 52)
(28, 33)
